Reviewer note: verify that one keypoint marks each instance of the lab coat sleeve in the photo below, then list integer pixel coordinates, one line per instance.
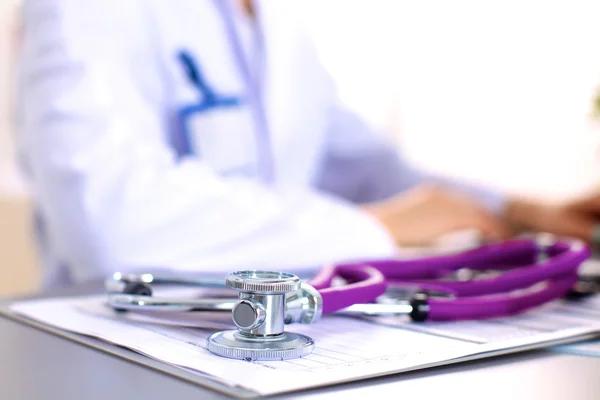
(364, 166)
(113, 193)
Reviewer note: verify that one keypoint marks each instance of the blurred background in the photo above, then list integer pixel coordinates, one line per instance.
(469, 89)
(19, 270)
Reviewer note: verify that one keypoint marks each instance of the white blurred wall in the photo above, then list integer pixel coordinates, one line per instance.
(498, 92)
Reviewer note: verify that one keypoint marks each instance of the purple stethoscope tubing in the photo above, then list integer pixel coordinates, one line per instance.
(475, 299)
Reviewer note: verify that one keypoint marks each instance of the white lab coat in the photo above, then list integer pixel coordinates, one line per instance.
(100, 87)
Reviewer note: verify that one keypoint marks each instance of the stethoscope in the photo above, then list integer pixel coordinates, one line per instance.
(503, 279)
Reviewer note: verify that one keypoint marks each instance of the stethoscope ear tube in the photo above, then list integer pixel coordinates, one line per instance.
(558, 275)
(514, 253)
(564, 260)
(140, 302)
(363, 285)
(472, 308)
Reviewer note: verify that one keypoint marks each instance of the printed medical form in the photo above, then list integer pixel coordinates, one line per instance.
(347, 349)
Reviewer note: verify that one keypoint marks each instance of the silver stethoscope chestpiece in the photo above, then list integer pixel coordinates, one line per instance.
(260, 318)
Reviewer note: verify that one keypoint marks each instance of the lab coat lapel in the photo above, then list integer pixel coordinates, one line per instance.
(297, 93)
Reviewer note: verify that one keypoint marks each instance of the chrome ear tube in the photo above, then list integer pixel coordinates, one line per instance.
(260, 317)
(134, 292)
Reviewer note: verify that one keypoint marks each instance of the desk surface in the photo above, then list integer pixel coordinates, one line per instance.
(35, 364)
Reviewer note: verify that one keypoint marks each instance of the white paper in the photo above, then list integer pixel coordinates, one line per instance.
(556, 318)
(346, 348)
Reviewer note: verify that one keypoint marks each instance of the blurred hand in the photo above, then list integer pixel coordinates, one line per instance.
(418, 217)
(573, 219)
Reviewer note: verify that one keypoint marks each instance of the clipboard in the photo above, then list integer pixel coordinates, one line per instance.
(131, 356)
(214, 384)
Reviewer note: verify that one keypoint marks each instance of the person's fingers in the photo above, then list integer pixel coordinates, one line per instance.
(576, 225)
(423, 215)
(590, 204)
(490, 227)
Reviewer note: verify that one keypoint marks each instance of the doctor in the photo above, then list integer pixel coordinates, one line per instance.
(204, 135)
